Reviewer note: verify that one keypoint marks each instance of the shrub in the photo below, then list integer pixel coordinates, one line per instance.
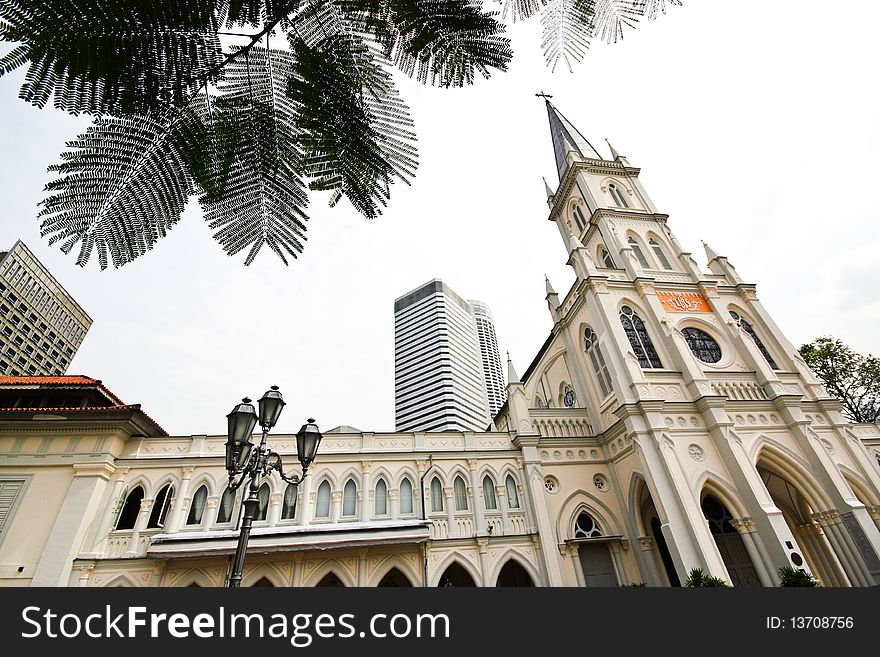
(698, 577)
(789, 576)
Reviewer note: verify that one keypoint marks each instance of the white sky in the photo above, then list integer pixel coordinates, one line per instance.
(754, 123)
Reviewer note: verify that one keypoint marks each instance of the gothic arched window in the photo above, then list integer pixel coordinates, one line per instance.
(460, 490)
(489, 493)
(381, 498)
(130, 510)
(579, 218)
(639, 339)
(745, 326)
(591, 346)
(406, 496)
(585, 526)
(607, 260)
(197, 506)
(637, 250)
(702, 345)
(658, 251)
(226, 503)
(512, 497)
(569, 399)
(349, 498)
(288, 507)
(436, 495)
(617, 196)
(160, 507)
(322, 504)
(263, 506)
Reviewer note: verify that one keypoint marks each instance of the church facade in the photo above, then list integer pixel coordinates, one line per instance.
(666, 424)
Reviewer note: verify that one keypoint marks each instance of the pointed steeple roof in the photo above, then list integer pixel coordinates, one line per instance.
(547, 189)
(567, 138)
(711, 254)
(512, 376)
(574, 243)
(547, 286)
(613, 150)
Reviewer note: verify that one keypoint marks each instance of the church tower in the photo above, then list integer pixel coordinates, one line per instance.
(694, 417)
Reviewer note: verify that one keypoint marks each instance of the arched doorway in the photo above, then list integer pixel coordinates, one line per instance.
(263, 581)
(797, 513)
(394, 578)
(331, 580)
(513, 574)
(593, 552)
(730, 544)
(456, 575)
(653, 528)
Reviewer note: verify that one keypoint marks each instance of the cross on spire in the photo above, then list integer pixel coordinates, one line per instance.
(544, 96)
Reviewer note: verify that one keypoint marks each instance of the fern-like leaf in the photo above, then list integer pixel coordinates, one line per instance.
(612, 16)
(112, 56)
(568, 28)
(257, 12)
(441, 42)
(519, 10)
(256, 197)
(356, 130)
(651, 9)
(123, 186)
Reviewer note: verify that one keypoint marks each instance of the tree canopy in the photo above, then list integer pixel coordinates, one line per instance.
(851, 377)
(249, 104)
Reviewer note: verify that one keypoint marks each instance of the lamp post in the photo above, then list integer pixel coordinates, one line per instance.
(252, 465)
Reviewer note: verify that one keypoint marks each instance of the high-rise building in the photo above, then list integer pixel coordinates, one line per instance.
(438, 372)
(490, 358)
(41, 325)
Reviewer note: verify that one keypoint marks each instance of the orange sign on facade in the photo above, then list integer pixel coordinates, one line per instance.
(681, 302)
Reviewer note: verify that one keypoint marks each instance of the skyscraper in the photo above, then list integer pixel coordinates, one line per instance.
(41, 325)
(490, 359)
(438, 373)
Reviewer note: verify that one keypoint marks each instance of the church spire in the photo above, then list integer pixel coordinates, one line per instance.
(567, 138)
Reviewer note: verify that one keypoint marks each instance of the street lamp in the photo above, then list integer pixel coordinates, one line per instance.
(247, 463)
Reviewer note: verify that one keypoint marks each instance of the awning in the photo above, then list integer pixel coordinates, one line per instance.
(290, 538)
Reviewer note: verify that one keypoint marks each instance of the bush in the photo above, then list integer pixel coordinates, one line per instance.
(631, 584)
(698, 577)
(789, 576)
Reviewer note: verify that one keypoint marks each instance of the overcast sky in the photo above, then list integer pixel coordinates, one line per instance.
(755, 125)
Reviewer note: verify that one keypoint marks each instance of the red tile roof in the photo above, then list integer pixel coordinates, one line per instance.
(71, 380)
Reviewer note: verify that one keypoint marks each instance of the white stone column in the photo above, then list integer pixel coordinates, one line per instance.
(450, 512)
(524, 498)
(139, 526)
(85, 571)
(113, 506)
(747, 529)
(576, 564)
(362, 567)
(366, 511)
(307, 503)
(181, 502)
(274, 515)
(212, 508)
(335, 505)
(616, 548)
(485, 566)
(479, 515)
(501, 500)
(647, 544)
(394, 503)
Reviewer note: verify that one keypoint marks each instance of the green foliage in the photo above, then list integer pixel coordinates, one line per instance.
(633, 585)
(182, 108)
(789, 576)
(851, 377)
(698, 577)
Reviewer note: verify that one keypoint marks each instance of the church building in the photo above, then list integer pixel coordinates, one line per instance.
(665, 424)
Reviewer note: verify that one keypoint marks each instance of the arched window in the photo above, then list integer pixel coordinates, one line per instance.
(658, 251)
(591, 346)
(703, 345)
(489, 493)
(460, 491)
(745, 326)
(607, 260)
(288, 506)
(579, 218)
(197, 506)
(160, 507)
(586, 527)
(617, 196)
(349, 498)
(322, 504)
(406, 496)
(436, 495)
(512, 497)
(226, 503)
(263, 508)
(381, 499)
(130, 510)
(637, 250)
(639, 339)
(569, 399)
